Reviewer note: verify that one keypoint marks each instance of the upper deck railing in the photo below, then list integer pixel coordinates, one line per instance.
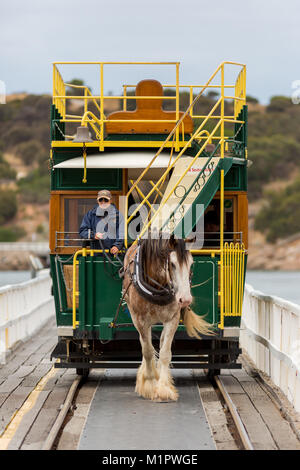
(216, 121)
(96, 119)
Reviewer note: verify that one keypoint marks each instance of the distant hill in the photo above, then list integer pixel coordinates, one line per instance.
(273, 147)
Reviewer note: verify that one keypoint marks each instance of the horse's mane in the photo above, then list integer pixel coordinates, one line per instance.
(155, 254)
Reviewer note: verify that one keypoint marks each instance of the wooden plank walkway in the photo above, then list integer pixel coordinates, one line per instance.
(266, 427)
(32, 393)
(27, 413)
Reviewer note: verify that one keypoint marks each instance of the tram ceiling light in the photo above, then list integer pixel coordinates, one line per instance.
(82, 135)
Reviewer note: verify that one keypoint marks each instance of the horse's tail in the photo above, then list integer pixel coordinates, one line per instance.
(195, 324)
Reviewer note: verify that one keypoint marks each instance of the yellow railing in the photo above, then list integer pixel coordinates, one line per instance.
(59, 93)
(97, 122)
(202, 135)
(234, 273)
(240, 92)
(87, 93)
(60, 98)
(156, 186)
(84, 252)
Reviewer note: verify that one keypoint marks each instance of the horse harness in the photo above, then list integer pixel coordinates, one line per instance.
(163, 295)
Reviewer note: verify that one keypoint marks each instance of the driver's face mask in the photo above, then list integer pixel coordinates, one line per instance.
(100, 211)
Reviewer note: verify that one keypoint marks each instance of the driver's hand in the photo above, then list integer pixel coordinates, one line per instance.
(114, 250)
(99, 236)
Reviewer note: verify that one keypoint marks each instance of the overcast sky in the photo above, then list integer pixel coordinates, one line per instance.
(265, 35)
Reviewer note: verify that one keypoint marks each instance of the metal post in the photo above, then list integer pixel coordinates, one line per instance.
(177, 108)
(101, 108)
(222, 205)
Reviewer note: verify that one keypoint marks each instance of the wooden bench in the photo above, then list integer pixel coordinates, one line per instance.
(150, 109)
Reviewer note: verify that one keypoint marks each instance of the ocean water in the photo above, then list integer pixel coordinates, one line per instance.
(13, 277)
(284, 284)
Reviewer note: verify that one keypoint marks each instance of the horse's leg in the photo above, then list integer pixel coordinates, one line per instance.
(146, 378)
(165, 389)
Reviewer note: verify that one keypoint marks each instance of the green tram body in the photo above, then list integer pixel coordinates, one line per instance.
(94, 342)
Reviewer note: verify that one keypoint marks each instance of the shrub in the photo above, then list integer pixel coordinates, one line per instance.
(16, 135)
(279, 104)
(251, 99)
(35, 187)
(280, 217)
(8, 205)
(30, 151)
(6, 171)
(40, 229)
(273, 158)
(11, 234)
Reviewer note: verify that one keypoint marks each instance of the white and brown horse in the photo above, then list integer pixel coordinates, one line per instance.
(160, 267)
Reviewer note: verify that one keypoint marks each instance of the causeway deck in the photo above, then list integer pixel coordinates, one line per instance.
(119, 419)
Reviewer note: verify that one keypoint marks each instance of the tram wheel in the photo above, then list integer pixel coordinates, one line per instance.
(83, 372)
(211, 373)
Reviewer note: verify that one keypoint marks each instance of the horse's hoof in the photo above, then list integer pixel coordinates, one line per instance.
(146, 388)
(165, 393)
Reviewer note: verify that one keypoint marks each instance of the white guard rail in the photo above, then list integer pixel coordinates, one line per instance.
(24, 308)
(271, 336)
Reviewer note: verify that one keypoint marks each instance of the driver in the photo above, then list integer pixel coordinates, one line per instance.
(104, 222)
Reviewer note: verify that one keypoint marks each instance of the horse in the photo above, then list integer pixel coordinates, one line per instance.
(156, 287)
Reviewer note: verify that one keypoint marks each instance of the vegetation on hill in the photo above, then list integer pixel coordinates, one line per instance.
(280, 216)
(273, 147)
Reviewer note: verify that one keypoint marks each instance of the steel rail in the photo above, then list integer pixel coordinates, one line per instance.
(48, 444)
(235, 415)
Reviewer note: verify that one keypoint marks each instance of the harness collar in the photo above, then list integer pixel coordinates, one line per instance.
(162, 296)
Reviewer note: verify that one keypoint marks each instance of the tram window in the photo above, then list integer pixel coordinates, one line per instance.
(212, 223)
(74, 211)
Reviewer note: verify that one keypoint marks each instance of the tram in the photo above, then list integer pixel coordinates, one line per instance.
(169, 168)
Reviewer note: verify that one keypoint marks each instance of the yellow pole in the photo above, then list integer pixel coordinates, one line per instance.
(85, 102)
(222, 203)
(125, 100)
(75, 293)
(177, 107)
(84, 179)
(191, 100)
(102, 108)
(53, 85)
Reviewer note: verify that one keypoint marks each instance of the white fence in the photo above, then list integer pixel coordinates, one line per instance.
(24, 308)
(34, 247)
(271, 336)
(270, 328)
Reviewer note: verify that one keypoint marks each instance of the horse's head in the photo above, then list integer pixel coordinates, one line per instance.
(167, 263)
(180, 262)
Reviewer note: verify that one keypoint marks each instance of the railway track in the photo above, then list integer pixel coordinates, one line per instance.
(42, 407)
(235, 415)
(57, 428)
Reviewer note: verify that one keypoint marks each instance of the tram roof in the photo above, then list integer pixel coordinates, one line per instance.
(137, 159)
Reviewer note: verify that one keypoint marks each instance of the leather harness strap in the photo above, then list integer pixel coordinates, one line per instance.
(161, 296)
